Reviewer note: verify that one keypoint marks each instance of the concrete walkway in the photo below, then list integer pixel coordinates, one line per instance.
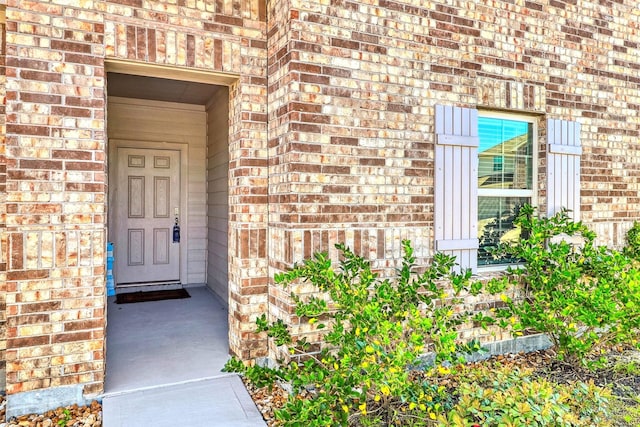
(218, 402)
(164, 361)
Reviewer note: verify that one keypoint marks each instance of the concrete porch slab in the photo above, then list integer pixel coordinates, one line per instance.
(164, 361)
(157, 343)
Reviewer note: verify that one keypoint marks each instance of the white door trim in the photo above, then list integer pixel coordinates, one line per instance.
(183, 148)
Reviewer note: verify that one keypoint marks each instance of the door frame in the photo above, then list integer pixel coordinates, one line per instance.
(183, 148)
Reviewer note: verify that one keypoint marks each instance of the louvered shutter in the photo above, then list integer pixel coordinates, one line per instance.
(456, 184)
(563, 167)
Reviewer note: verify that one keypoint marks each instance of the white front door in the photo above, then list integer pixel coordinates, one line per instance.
(147, 205)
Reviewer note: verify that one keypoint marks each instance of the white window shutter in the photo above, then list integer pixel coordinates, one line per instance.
(563, 167)
(456, 184)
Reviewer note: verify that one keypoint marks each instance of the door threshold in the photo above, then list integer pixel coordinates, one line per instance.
(154, 283)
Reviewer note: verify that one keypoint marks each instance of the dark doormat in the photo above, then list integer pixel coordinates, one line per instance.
(152, 296)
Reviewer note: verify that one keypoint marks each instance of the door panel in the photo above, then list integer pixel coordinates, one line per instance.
(147, 203)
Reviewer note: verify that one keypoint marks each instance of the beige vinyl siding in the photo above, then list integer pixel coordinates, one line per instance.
(154, 121)
(218, 194)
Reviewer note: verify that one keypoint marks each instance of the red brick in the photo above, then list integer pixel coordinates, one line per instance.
(28, 341)
(71, 337)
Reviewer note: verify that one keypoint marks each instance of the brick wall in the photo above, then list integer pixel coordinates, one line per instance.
(3, 222)
(56, 168)
(352, 137)
(348, 89)
(55, 195)
(352, 91)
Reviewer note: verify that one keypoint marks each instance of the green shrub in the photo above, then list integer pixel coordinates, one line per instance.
(371, 370)
(376, 333)
(499, 396)
(632, 249)
(583, 296)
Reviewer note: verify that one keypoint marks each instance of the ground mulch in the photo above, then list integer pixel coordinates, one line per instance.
(544, 363)
(267, 400)
(74, 415)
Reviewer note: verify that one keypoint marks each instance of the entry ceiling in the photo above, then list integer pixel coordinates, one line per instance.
(157, 89)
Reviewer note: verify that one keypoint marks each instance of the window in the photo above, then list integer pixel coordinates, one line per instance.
(498, 161)
(506, 178)
(485, 169)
